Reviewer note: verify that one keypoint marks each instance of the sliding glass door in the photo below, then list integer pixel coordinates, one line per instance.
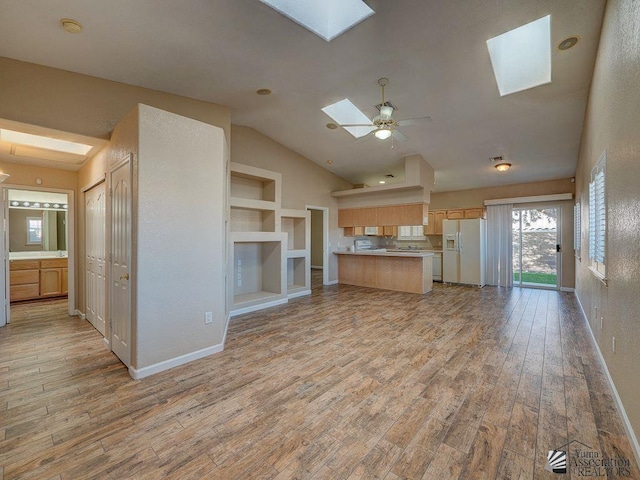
(536, 242)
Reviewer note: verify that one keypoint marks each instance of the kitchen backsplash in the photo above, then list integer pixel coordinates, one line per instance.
(430, 242)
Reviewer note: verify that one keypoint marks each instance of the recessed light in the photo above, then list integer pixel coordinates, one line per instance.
(70, 25)
(381, 182)
(568, 42)
(263, 91)
(331, 126)
(330, 162)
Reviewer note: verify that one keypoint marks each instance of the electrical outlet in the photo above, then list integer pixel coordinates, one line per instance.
(613, 344)
(208, 318)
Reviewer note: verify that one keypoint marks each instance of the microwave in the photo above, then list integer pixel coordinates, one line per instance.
(370, 230)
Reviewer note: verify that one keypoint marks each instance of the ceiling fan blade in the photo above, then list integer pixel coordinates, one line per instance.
(356, 125)
(399, 136)
(414, 121)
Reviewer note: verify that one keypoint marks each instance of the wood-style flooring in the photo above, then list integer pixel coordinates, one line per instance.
(348, 383)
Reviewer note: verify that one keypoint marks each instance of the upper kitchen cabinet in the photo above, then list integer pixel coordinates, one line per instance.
(413, 214)
(434, 227)
(389, 215)
(358, 217)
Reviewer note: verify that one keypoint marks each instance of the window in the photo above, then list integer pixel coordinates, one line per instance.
(411, 232)
(598, 218)
(576, 229)
(34, 230)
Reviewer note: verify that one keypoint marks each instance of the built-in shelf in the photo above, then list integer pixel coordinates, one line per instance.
(298, 276)
(270, 246)
(296, 224)
(258, 269)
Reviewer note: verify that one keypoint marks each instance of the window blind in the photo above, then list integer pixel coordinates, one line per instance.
(598, 214)
(576, 227)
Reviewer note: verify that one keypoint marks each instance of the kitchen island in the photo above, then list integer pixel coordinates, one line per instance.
(401, 271)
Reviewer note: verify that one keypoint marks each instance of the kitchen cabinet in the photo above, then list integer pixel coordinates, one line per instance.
(474, 213)
(409, 214)
(430, 227)
(389, 215)
(453, 214)
(357, 217)
(390, 231)
(353, 231)
(457, 214)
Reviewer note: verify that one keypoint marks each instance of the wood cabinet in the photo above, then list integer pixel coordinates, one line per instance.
(457, 214)
(474, 213)
(357, 217)
(32, 279)
(435, 227)
(386, 216)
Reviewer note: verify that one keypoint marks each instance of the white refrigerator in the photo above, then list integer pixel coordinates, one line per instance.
(464, 251)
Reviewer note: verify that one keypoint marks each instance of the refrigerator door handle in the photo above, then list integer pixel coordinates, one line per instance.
(459, 241)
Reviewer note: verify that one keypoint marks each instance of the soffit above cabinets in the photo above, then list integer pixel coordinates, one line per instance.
(14, 152)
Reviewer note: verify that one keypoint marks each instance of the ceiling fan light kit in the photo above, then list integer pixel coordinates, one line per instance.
(382, 126)
(383, 133)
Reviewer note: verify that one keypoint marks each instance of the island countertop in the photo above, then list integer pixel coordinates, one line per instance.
(401, 271)
(379, 253)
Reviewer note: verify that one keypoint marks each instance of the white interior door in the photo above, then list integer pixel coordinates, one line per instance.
(120, 262)
(95, 252)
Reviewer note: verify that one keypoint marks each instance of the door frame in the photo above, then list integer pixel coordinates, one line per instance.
(558, 284)
(325, 242)
(5, 314)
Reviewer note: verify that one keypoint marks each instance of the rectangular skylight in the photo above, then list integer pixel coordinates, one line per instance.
(325, 18)
(47, 143)
(345, 112)
(521, 57)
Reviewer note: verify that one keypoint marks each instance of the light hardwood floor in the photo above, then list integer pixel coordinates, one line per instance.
(348, 383)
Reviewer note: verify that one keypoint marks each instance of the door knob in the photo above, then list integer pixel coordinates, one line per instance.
(124, 277)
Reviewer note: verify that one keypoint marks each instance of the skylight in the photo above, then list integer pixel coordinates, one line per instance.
(521, 57)
(345, 112)
(325, 18)
(47, 143)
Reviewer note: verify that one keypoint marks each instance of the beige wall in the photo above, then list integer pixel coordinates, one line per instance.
(476, 197)
(303, 182)
(75, 103)
(612, 124)
(91, 106)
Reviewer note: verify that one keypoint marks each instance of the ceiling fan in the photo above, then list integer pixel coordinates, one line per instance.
(385, 125)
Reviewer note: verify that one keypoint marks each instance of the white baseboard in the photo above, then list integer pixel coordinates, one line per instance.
(260, 306)
(138, 373)
(105, 340)
(332, 282)
(81, 315)
(567, 289)
(625, 419)
(302, 293)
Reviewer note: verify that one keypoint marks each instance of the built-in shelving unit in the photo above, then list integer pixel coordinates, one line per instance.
(297, 226)
(270, 246)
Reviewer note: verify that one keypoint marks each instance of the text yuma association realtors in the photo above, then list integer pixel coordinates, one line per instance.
(588, 463)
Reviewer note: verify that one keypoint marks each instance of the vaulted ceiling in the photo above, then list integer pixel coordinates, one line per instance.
(433, 52)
